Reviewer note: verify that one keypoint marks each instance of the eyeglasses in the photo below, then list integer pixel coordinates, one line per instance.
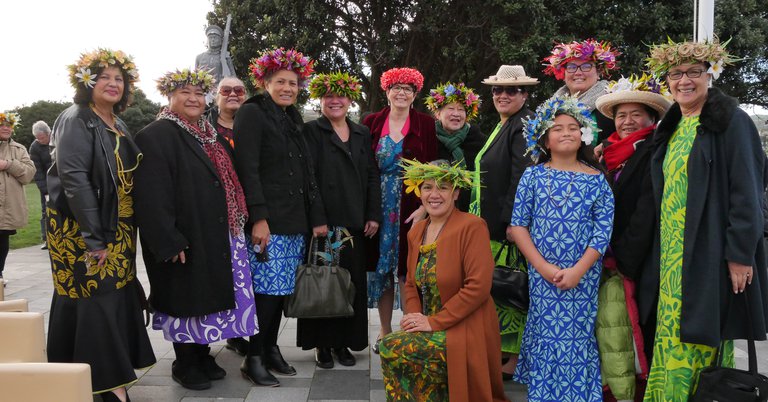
(511, 91)
(225, 91)
(572, 67)
(406, 89)
(692, 73)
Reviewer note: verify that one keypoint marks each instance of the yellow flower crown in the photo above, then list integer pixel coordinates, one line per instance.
(84, 71)
(415, 173)
(10, 118)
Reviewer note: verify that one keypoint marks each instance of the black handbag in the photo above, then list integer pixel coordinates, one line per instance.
(322, 290)
(510, 281)
(723, 384)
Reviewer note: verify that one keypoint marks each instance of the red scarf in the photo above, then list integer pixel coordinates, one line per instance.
(622, 149)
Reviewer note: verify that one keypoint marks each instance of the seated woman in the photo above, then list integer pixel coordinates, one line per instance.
(450, 315)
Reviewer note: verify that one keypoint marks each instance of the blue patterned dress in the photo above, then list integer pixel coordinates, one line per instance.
(277, 275)
(388, 155)
(565, 212)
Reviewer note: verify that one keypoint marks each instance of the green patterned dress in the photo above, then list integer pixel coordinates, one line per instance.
(414, 364)
(676, 365)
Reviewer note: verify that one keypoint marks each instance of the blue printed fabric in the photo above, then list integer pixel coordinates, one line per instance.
(388, 155)
(565, 212)
(277, 276)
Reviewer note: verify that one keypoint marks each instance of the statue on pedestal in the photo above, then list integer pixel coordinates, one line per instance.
(217, 58)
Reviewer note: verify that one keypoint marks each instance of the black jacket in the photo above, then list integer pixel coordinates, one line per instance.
(471, 146)
(347, 174)
(181, 205)
(502, 165)
(82, 182)
(274, 167)
(723, 222)
(41, 157)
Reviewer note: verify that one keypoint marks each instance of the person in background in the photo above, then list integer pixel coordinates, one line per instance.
(97, 300)
(230, 95)
(16, 170)
(40, 154)
(448, 346)
(348, 178)
(454, 105)
(398, 131)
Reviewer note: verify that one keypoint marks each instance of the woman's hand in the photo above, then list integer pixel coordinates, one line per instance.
(598, 152)
(99, 255)
(319, 231)
(371, 227)
(4, 164)
(548, 272)
(567, 278)
(741, 276)
(260, 234)
(415, 322)
(418, 215)
(180, 257)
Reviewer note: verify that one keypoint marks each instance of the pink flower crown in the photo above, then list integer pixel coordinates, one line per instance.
(403, 75)
(601, 53)
(280, 59)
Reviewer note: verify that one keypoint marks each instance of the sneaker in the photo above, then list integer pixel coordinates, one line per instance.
(44, 246)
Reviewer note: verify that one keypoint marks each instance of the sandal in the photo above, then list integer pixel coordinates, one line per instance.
(375, 346)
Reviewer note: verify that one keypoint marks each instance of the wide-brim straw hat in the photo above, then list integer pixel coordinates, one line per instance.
(510, 75)
(607, 103)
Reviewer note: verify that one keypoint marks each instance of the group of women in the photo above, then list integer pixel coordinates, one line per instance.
(226, 203)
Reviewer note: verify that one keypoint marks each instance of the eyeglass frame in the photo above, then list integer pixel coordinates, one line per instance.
(407, 89)
(698, 72)
(234, 89)
(572, 67)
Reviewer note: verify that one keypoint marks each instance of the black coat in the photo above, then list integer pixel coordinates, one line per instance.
(502, 165)
(724, 222)
(471, 146)
(41, 157)
(181, 206)
(274, 167)
(347, 174)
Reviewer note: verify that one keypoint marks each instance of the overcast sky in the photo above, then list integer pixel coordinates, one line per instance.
(41, 37)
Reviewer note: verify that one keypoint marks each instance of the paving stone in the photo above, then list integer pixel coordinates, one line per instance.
(340, 384)
(279, 394)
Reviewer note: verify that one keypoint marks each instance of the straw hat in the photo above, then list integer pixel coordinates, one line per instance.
(510, 75)
(644, 89)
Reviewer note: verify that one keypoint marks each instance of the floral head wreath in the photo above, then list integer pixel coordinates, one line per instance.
(402, 75)
(10, 118)
(174, 80)
(280, 59)
(335, 83)
(544, 119)
(643, 83)
(602, 54)
(415, 173)
(665, 56)
(85, 70)
(448, 93)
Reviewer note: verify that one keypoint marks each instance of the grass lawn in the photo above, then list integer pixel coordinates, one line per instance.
(29, 235)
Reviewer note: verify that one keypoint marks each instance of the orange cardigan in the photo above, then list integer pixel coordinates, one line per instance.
(464, 274)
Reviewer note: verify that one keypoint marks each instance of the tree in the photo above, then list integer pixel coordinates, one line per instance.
(141, 112)
(46, 111)
(467, 40)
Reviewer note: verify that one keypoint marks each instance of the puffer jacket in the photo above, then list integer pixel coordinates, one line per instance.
(13, 202)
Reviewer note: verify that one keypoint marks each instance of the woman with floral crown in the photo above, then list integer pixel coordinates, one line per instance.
(348, 179)
(454, 106)
(284, 206)
(707, 172)
(190, 209)
(397, 131)
(580, 65)
(96, 310)
(18, 168)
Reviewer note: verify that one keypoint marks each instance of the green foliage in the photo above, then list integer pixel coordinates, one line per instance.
(141, 112)
(465, 40)
(46, 111)
(29, 235)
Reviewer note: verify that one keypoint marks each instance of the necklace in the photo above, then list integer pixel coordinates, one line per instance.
(549, 188)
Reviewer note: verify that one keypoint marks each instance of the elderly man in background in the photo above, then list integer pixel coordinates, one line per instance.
(40, 154)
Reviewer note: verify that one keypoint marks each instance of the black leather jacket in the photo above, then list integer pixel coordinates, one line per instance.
(82, 182)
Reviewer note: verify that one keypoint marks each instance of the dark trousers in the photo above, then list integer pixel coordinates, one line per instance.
(269, 313)
(5, 237)
(42, 216)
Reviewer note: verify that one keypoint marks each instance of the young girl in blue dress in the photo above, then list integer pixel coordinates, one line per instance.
(562, 220)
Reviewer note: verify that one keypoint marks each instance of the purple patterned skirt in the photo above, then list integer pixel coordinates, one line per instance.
(233, 323)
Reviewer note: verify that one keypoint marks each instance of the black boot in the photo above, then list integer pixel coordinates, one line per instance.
(187, 369)
(274, 361)
(253, 369)
(344, 356)
(208, 362)
(323, 358)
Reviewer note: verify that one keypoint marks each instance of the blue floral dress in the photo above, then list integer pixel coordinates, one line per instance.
(565, 212)
(388, 154)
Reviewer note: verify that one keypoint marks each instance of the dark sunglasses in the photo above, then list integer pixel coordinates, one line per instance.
(511, 91)
(225, 91)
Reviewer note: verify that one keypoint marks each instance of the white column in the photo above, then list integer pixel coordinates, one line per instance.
(704, 20)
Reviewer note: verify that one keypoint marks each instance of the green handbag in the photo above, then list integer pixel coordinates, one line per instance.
(323, 290)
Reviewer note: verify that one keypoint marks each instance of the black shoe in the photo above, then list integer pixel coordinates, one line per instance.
(274, 361)
(237, 345)
(211, 369)
(253, 369)
(190, 376)
(344, 356)
(323, 358)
